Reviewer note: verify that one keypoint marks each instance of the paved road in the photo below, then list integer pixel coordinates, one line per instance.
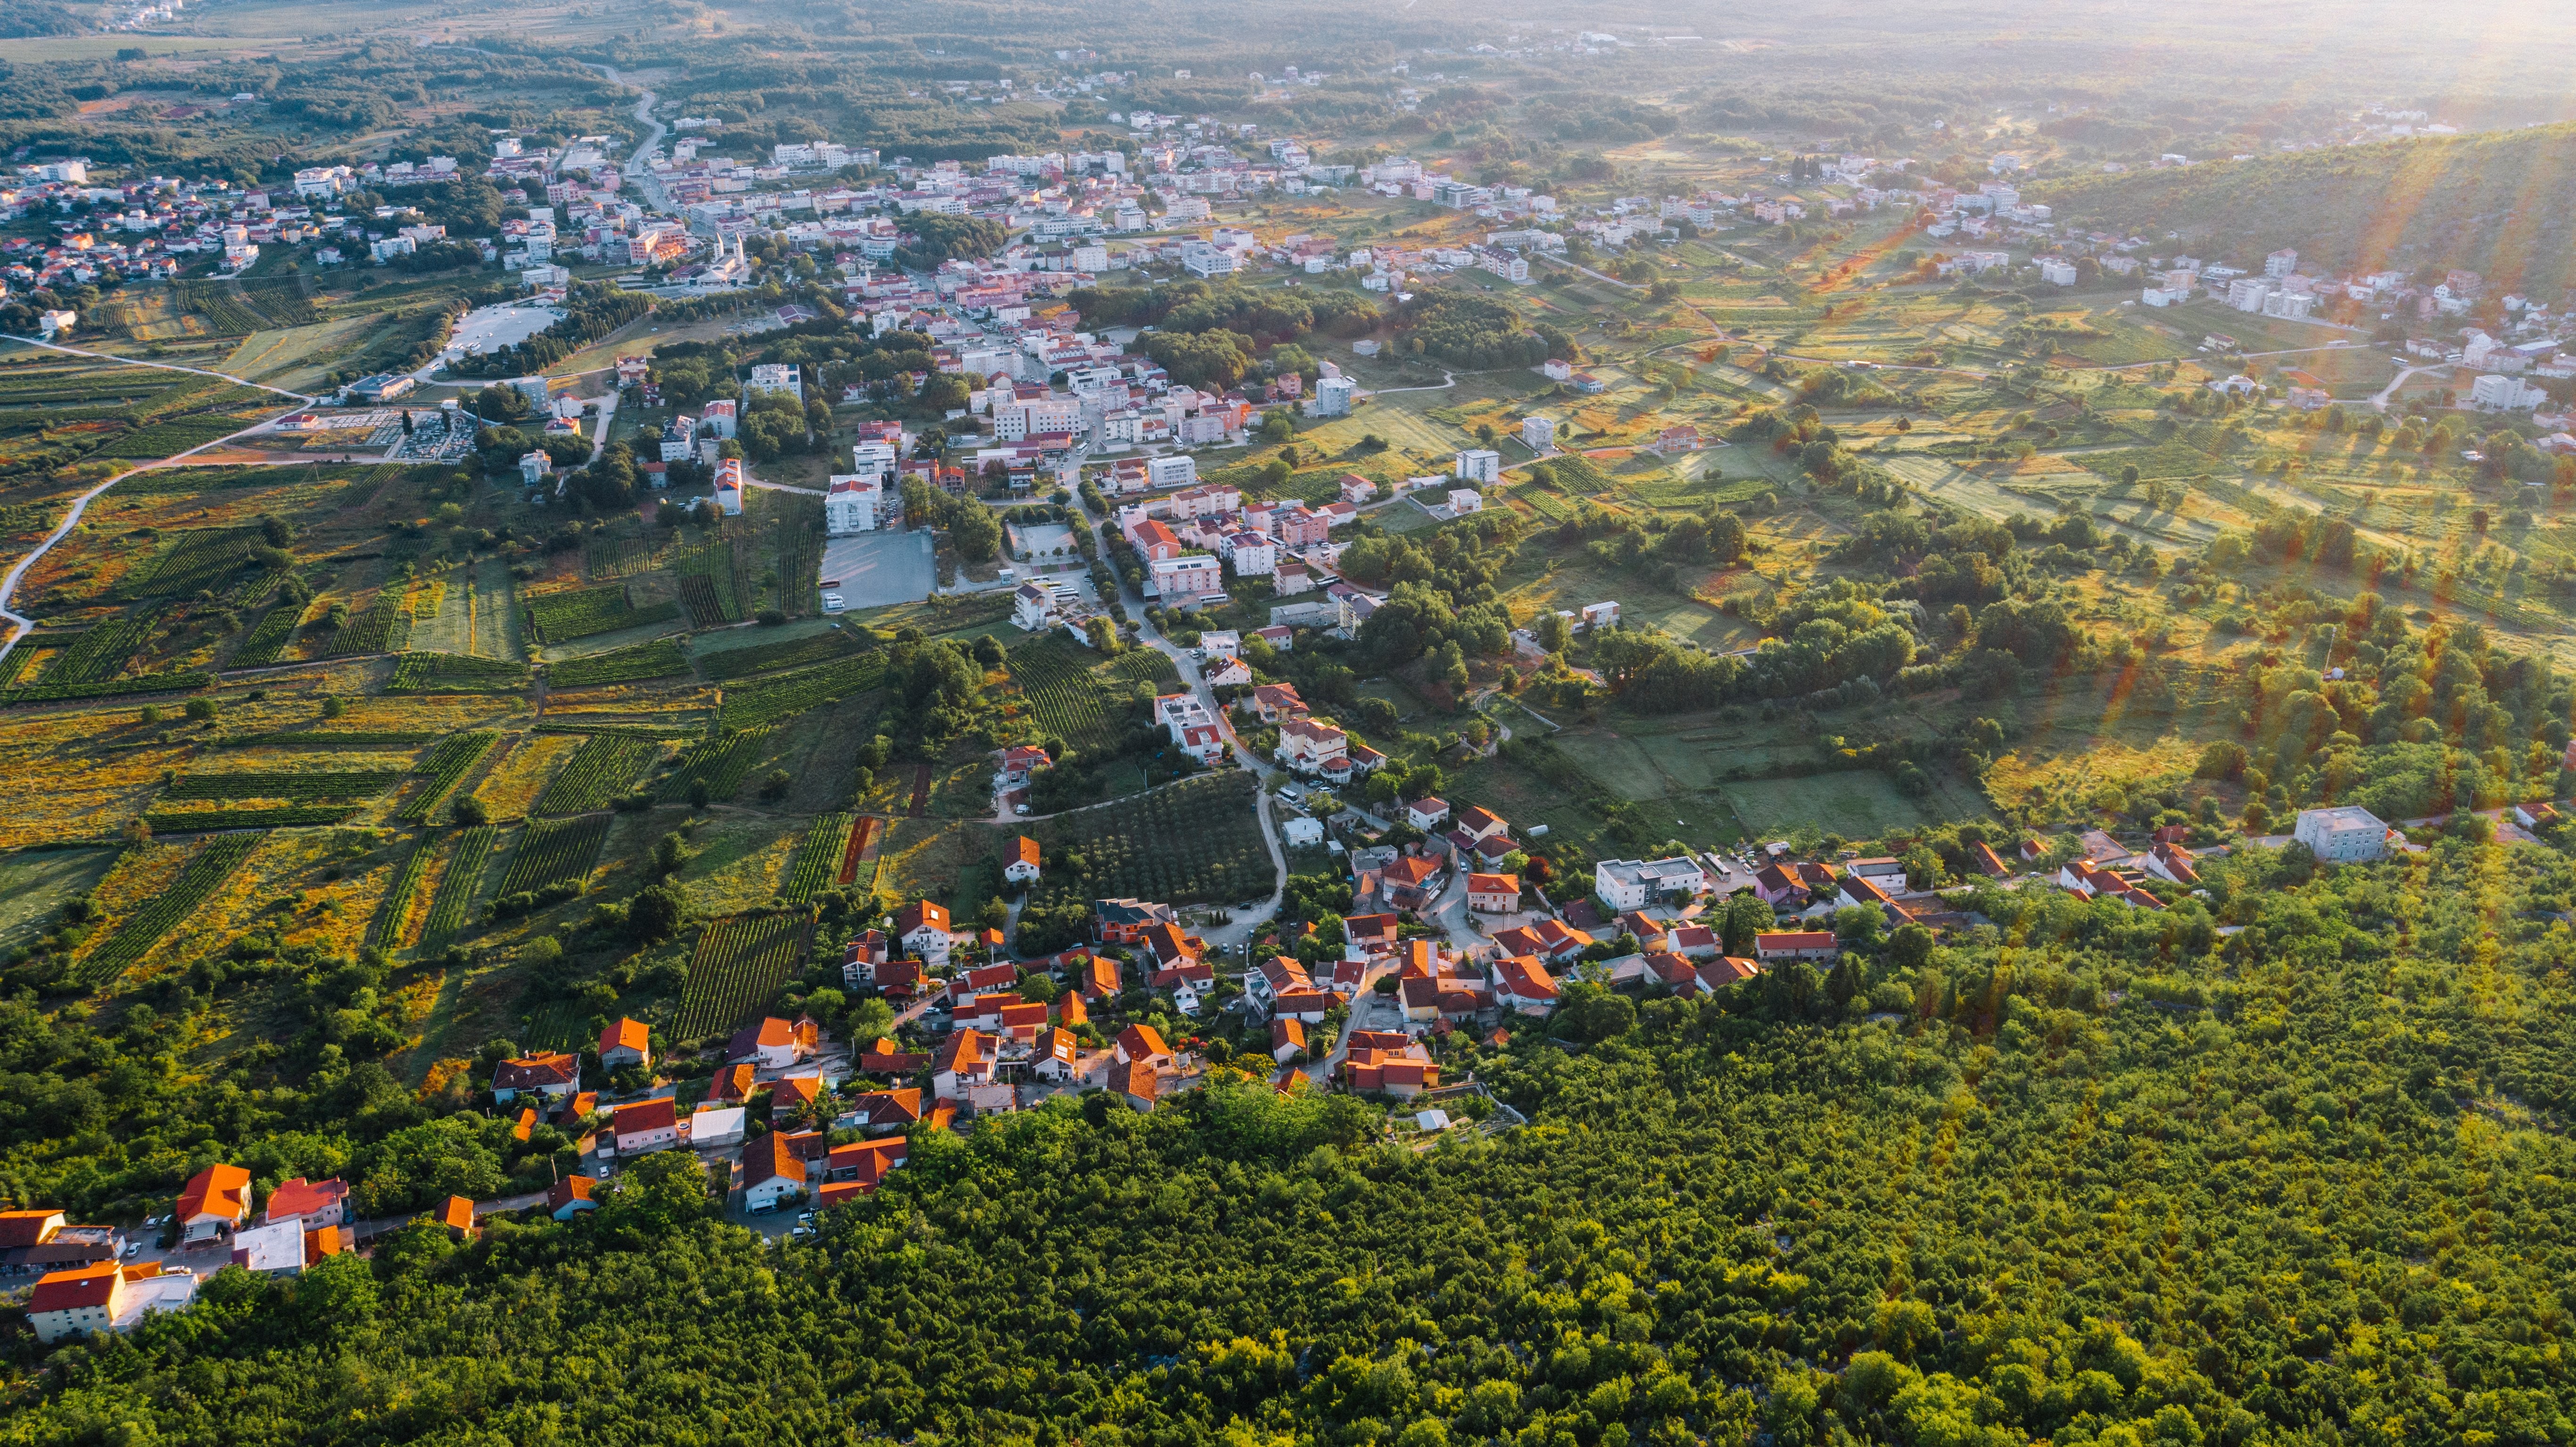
(1244, 922)
(300, 398)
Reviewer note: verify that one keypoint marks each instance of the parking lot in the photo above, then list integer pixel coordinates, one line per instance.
(871, 570)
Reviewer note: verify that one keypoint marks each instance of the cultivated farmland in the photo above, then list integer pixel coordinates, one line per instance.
(768, 700)
(1197, 841)
(818, 859)
(739, 964)
(143, 929)
(449, 762)
(721, 763)
(555, 851)
(457, 884)
(598, 772)
(656, 658)
(581, 612)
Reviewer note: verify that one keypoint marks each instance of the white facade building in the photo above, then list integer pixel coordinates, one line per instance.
(2344, 835)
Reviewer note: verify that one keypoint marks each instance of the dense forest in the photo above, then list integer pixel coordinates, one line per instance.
(2089, 1174)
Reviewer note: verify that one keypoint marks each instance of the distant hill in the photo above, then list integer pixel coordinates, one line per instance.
(2501, 203)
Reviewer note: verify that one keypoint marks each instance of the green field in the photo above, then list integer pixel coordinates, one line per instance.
(35, 884)
(1860, 804)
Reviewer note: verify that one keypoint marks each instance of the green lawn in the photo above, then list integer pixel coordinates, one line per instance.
(1861, 804)
(33, 885)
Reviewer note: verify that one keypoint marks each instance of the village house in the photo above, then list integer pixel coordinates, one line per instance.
(1522, 983)
(1493, 893)
(772, 1173)
(1775, 946)
(1426, 814)
(1278, 703)
(963, 1061)
(625, 1042)
(311, 1203)
(645, 1125)
(1307, 747)
(773, 1044)
(570, 1197)
(1143, 1045)
(1023, 868)
(924, 928)
(552, 1074)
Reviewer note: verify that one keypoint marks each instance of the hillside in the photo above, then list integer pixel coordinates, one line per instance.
(2104, 1184)
(2502, 204)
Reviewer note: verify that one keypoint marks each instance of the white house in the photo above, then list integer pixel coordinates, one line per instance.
(1538, 433)
(1178, 470)
(2343, 835)
(1478, 464)
(1023, 868)
(1634, 883)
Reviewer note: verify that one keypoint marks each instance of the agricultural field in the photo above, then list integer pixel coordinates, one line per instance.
(1863, 804)
(771, 698)
(584, 612)
(510, 790)
(721, 664)
(447, 764)
(35, 883)
(735, 973)
(600, 770)
(552, 852)
(136, 933)
(456, 673)
(1070, 690)
(1194, 842)
(657, 658)
(719, 764)
(820, 857)
(460, 879)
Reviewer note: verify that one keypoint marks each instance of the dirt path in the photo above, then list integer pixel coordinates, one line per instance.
(920, 791)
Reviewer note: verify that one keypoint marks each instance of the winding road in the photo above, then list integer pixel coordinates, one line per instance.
(19, 624)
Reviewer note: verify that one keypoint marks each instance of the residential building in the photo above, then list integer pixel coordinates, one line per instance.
(570, 1197)
(626, 1042)
(551, 1074)
(645, 1125)
(1308, 747)
(2343, 835)
(1493, 893)
(1538, 433)
(106, 1296)
(964, 1060)
(772, 1173)
(1776, 946)
(313, 1203)
(773, 1044)
(1478, 464)
(924, 928)
(1024, 867)
(1633, 883)
(1522, 983)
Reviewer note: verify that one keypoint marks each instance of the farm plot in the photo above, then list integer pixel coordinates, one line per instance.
(658, 658)
(386, 931)
(599, 771)
(36, 883)
(218, 821)
(284, 784)
(162, 912)
(514, 783)
(720, 763)
(1859, 804)
(718, 665)
(709, 585)
(736, 970)
(1067, 697)
(102, 652)
(449, 762)
(456, 673)
(176, 434)
(1198, 841)
(448, 908)
(383, 628)
(198, 558)
(818, 859)
(581, 612)
(555, 852)
(787, 694)
(268, 637)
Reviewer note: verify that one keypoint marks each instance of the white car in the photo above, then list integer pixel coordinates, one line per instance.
(832, 603)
